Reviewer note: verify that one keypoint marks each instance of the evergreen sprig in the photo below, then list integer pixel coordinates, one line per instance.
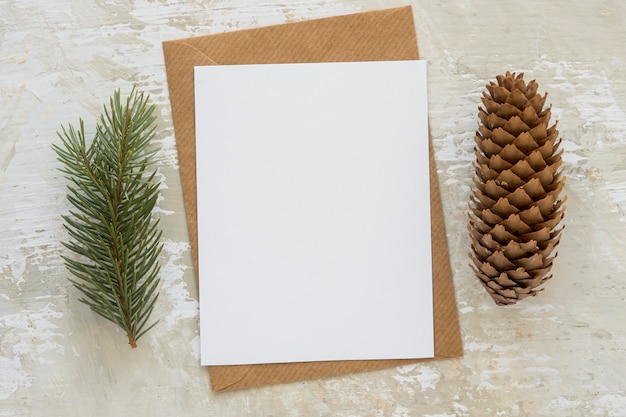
(111, 225)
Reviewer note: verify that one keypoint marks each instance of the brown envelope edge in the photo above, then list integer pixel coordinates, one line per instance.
(371, 36)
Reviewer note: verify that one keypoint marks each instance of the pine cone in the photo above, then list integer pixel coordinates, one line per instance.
(515, 207)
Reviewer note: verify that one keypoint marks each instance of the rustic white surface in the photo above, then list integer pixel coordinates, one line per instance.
(559, 354)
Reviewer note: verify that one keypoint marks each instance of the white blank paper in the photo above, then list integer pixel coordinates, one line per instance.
(313, 212)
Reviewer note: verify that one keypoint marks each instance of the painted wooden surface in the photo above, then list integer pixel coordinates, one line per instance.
(559, 354)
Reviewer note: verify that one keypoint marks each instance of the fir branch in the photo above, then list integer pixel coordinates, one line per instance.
(113, 195)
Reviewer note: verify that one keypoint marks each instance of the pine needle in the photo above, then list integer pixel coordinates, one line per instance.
(111, 228)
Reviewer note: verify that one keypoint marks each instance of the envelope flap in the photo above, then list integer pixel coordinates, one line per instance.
(321, 40)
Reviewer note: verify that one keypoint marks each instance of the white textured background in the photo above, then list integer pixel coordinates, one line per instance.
(559, 354)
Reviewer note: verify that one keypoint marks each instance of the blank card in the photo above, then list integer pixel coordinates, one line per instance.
(313, 212)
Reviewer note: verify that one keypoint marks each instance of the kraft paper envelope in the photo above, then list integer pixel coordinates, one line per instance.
(370, 36)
